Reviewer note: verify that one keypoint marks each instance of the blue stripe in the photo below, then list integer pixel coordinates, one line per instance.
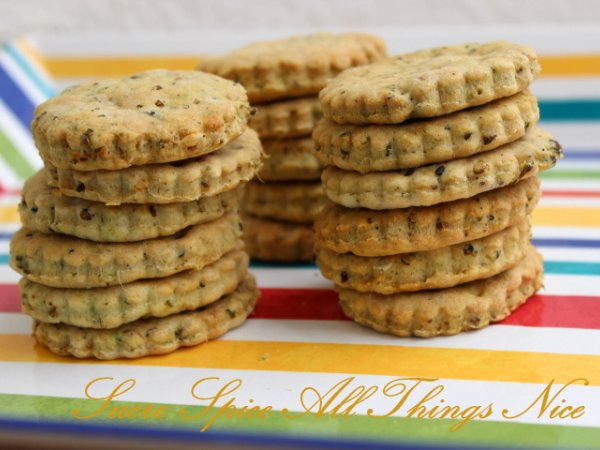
(5, 236)
(575, 243)
(572, 268)
(581, 154)
(210, 438)
(4, 258)
(15, 99)
(30, 71)
(570, 110)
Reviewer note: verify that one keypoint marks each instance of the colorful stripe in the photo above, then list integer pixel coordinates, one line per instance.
(79, 67)
(299, 332)
(352, 432)
(31, 64)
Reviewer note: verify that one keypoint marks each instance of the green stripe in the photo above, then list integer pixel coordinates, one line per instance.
(483, 432)
(579, 174)
(572, 268)
(570, 110)
(13, 157)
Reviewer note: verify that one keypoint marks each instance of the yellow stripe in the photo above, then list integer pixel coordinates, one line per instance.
(464, 364)
(566, 217)
(74, 67)
(570, 65)
(9, 214)
(543, 215)
(115, 66)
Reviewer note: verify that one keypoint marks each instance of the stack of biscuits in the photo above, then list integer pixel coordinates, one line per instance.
(431, 171)
(131, 240)
(282, 78)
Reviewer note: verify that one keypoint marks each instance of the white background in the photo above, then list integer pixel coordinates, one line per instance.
(18, 17)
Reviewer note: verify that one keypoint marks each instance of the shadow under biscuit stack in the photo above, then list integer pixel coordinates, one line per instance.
(282, 78)
(431, 171)
(131, 240)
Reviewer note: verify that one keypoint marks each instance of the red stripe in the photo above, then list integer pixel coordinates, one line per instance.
(572, 311)
(539, 311)
(322, 304)
(554, 193)
(309, 304)
(9, 298)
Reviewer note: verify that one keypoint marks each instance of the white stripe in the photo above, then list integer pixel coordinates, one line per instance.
(10, 199)
(571, 202)
(571, 341)
(35, 95)
(566, 88)
(172, 386)
(546, 39)
(8, 275)
(570, 185)
(9, 178)
(20, 137)
(575, 135)
(547, 232)
(579, 164)
(312, 279)
(587, 285)
(570, 254)
(275, 277)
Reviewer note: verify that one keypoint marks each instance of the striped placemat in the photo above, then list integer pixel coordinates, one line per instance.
(313, 376)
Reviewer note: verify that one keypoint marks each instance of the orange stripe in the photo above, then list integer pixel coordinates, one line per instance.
(78, 67)
(342, 358)
(115, 66)
(570, 65)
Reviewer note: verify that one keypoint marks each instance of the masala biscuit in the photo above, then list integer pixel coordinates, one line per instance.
(151, 117)
(179, 181)
(44, 209)
(286, 119)
(295, 66)
(434, 269)
(376, 148)
(366, 232)
(444, 182)
(152, 336)
(114, 306)
(429, 83)
(57, 260)
(299, 202)
(290, 159)
(447, 311)
(274, 240)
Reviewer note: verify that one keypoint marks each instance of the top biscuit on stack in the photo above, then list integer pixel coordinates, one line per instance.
(282, 78)
(131, 239)
(432, 158)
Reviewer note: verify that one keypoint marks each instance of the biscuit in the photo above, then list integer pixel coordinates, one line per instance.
(299, 202)
(152, 336)
(43, 209)
(290, 159)
(114, 306)
(366, 232)
(447, 311)
(180, 181)
(287, 118)
(429, 83)
(272, 240)
(57, 260)
(434, 269)
(295, 66)
(376, 148)
(151, 117)
(444, 182)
